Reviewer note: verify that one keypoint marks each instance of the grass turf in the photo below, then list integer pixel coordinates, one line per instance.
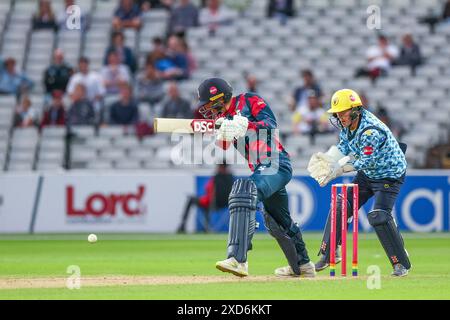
(188, 255)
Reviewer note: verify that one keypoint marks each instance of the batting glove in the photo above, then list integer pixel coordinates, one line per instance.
(232, 129)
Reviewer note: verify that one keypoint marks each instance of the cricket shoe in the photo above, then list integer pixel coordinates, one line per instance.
(399, 271)
(307, 270)
(324, 262)
(231, 265)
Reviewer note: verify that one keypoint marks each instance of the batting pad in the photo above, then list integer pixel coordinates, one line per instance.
(242, 205)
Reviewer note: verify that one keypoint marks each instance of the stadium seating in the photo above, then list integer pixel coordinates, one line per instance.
(321, 37)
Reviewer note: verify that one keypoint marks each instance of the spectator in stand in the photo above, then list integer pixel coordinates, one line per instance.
(158, 48)
(44, 18)
(25, 115)
(55, 115)
(12, 82)
(127, 15)
(162, 63)
(150, 87)
(410, 54)
(216, 191)
(215, 14)
(179, 59)
(81, 112)
(158, 44)
(57, 76)
(192, 62)
(115, 74)
(397, 129)
(252, 83)
(125, 111)
(126, 55)
(365, 101)
(438, 157)
(183, 16)
(446, 12)
(300, 96)
(311, 118)
(66, 20)
(172, 63)
(432, 20)
(281, 9)
(158, 56)
(91, 80)
(147, 5)
(176, 106)
(379, 59)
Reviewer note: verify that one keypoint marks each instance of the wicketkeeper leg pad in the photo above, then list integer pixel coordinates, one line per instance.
(242, 206)
(389, 236)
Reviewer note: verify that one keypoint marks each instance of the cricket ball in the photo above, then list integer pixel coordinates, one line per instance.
(92, 238)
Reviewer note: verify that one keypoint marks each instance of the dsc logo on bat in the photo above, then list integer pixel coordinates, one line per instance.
(203, 126)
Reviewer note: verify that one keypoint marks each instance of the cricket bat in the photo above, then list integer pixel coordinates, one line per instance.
(167, 125)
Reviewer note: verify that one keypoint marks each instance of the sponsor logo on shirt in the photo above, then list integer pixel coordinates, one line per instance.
(368, 150)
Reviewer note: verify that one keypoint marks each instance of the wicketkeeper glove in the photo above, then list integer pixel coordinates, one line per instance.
(324, 167)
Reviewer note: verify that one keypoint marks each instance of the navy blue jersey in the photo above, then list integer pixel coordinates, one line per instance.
(262, 144)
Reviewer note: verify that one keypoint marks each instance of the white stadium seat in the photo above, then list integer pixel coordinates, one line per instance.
(317, 39)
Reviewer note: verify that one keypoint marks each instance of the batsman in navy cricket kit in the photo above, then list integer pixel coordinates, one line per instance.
(247, 122)
(367, 146)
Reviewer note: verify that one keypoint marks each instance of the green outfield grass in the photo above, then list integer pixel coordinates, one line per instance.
(193, 256)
